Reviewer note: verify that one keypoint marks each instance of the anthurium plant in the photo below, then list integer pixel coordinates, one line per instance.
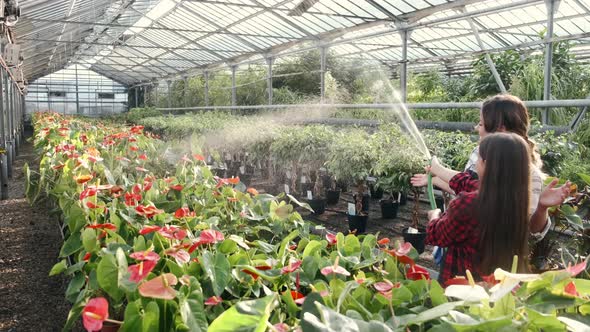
(174, 248)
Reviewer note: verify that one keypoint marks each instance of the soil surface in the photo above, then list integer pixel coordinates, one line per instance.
(30, 300)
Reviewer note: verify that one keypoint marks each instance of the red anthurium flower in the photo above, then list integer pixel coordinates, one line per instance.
(132, 139)
(121, 158)
(149, 229)
(235, 180)
(141, 169)
(261, 268)
(147, 210)
(459, 281)
(168, 180)
(116, 190)
(252, 191)
(383, 241)
(141, 270)
(83, 178)
(145, 256)
(60, 166)
(489, 279)
(159, 287)
(331, 238)
(177, 187)
(84, 138)
(576, 269)
(133, 148)
(571, 289)
(180, 255)
(142, 156)
(199, 157)
(173, 232)
(101, 187)
(335, 269)
(136, 129)
(95, 313)
(298, 297)
(87, 257)
(91, 205)
(132, 199)
(213, 300)
(293, 265)
(208, 236)
(401, 253)
(183, 212)
(416, 272)
(136, 189)
(103, 226)
(88, 192)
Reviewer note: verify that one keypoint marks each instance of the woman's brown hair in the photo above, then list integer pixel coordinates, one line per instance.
(503, 202)
(509, 112)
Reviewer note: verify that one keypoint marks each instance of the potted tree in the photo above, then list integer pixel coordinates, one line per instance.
(352, 158)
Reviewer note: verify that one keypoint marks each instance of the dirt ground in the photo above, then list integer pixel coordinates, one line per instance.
(30, 300)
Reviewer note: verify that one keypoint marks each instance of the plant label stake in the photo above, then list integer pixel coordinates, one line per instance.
(309, 195)
(351, 209)
(303, 179)
(242, 169)
(286, 189)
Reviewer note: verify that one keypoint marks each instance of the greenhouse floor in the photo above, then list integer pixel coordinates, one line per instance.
(31, 301)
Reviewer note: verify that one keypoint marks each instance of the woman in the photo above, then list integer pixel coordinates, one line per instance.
(487, 223)
(501, 113)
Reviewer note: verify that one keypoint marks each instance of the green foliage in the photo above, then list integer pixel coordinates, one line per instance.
(352, 156)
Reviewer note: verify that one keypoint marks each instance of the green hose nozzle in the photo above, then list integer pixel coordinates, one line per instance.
(429, 190)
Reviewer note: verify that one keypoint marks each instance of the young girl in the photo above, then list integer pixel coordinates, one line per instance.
(502, 113)
(487, 223)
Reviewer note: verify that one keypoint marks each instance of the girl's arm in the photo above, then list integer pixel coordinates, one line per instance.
(455, 225)
(549, 197)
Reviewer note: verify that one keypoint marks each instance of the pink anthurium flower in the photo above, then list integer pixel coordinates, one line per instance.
(401, 253)
(141, 270)
(148, 210)
(208, 236)
(331, 238)
(88, 192)
(293, 265)
(159, 287)
(213, 300)
(95, 313)
(145, 256)
(335, 269)
(184, 212)
(172, 232)
(576, 269)
(180, 255)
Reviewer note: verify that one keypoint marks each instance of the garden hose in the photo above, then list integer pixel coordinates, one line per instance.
(429, 190)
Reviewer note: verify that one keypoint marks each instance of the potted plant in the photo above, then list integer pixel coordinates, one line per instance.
(416, 235)
(352, 158)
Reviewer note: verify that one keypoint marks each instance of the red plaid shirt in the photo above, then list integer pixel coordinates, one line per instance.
(456, 229)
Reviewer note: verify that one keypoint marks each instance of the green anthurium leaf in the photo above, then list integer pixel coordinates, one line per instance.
(228, 246)
(545, 322)
(269, 275)
(72, 245)
(217, 268)
(585, 178)
(75, 312)
(108, 276)
(463, 322)
(332, 321)
(311, 248)
(249, 315)
(437, 293)
(434, 313)
(133, 318)
(151, 318)
(191, 308)
(285, 243)
(122, 273)
(89, 240)
(58, 268)
(309, 307)
(74, 286)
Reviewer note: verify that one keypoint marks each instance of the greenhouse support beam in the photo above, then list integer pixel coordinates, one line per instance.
(156, 93)
(77, 92)
(322, 74)
(234, 91)
(269, 62)
(404, 66)
(185, 91)
(136, 96)
(445, 105)
(206, 74)
(9, 148)
(552, 6)
(169, 83)
(487, 55)
(3, 152)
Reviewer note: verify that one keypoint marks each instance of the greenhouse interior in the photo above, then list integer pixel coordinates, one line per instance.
(295, 165)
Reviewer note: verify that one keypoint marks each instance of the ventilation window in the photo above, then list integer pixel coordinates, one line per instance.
(106, 95)
(57, 93)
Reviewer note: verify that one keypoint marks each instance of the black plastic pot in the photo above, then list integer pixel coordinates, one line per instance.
(343, 185)
(218, 172)
(332, 197)
(305, 187)
(376, 193)
(245, 179)
(403, 199)
(318, 205)
(440, 202)
(366, 202)
(389, 209)
(417, 239)
(358, 223)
